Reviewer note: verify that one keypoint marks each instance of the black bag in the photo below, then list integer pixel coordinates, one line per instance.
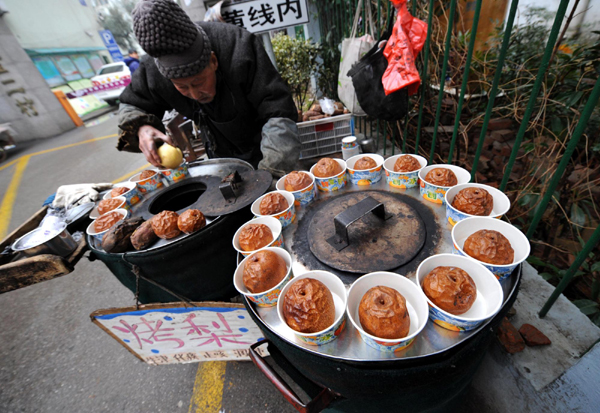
(366, 77)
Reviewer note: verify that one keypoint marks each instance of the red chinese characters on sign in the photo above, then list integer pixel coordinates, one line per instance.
(148, 332)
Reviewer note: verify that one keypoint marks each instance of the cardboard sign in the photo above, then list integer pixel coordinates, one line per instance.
(264, 15)
(173, 333)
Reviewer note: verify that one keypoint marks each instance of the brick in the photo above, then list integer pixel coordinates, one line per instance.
(509, 337)
(499, 124)
(503, 135)
(533, 337)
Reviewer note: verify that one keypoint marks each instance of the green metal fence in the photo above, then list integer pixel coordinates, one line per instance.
(335, 19)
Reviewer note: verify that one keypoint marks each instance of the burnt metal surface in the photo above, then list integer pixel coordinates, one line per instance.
(306, 260)
(375, 243)
(202, 191)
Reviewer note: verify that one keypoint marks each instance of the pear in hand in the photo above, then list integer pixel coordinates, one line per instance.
(170, 156)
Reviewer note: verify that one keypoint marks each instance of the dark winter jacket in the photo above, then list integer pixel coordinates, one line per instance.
(252, 116)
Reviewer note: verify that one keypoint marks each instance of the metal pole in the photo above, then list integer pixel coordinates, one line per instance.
(492, 96)
(587, 248)
(463, 88)
(424, 75)
(566, 157)
(560, 14)
(443, 77)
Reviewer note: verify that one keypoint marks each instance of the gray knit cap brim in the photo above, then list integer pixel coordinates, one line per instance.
(179, 47)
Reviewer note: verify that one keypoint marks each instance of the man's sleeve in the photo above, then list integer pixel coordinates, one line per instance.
(139, 107)
(280, 146)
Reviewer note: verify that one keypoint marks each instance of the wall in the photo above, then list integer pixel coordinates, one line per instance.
(25, 99)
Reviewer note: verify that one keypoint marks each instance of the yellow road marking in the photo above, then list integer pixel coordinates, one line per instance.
(208, 387)
(57, 149)
(127, 175)
(72, 144)
(10, 195)
(9, 164)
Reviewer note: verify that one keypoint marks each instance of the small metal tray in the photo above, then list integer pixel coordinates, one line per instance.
(349, 345)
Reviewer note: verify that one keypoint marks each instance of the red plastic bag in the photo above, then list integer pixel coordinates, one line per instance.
(405, 43)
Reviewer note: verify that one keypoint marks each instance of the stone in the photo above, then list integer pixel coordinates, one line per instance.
(509, 337)
(533, 337)
(503, 135)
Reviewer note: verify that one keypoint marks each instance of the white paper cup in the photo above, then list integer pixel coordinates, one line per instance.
(489, 293)
(416, 304)
(303, 196)
(402, 179)
(94, 214)
(366, 176)
(147, 185)
(274, 225)
(266, 298)
(501, 203)
(132, 195)
(436, 193)
(285, 217)
(99, 235)
(334, 182)
(338, 291)
(518, 241)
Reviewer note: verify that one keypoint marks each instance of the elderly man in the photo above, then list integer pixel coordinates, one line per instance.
(216, 74)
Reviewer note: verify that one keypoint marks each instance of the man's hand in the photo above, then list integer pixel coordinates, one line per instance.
(148, 136)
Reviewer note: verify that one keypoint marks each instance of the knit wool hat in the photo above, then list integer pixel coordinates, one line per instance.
(179, 47)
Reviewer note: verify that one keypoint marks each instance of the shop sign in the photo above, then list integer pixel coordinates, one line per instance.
(173, 333)
(117, 84)
(262, 16)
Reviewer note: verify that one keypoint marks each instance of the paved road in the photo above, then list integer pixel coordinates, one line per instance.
(53, 358)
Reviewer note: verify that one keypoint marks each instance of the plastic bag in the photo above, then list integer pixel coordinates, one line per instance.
(405, 43)
(353, 48)
(327, 106)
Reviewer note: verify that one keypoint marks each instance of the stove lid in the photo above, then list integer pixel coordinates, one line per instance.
(368, 231)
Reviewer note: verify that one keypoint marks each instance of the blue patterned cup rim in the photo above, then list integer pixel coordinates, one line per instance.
(501, 201)
(90, 230)
(462, 175)
(131, 185)
(255, 208)
(489, 291)
(377, 158)
(238, 276)
(136, 178)
(183, 164)
(280, 185)
(274, 225)
(342, 164)
(415, 299)
(388, 164)
(338, 291)
(123, 205)
(468, 226)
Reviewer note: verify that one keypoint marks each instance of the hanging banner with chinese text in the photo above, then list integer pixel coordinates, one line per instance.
(172, 333)
(262, 16)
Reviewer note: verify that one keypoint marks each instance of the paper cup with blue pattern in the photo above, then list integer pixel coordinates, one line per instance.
(94, 214)
(266, 298)
(416, 304)
(286, 217)
(489, 293)
(368, 176)
(303, 196)
(91, 230)
(132, 195)
(500, 207)
(147, 185)
(402, 180)
(518, 241)
(274, 225)
(338, 291)
(175, 175)
(331, 183)
(436, 193)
